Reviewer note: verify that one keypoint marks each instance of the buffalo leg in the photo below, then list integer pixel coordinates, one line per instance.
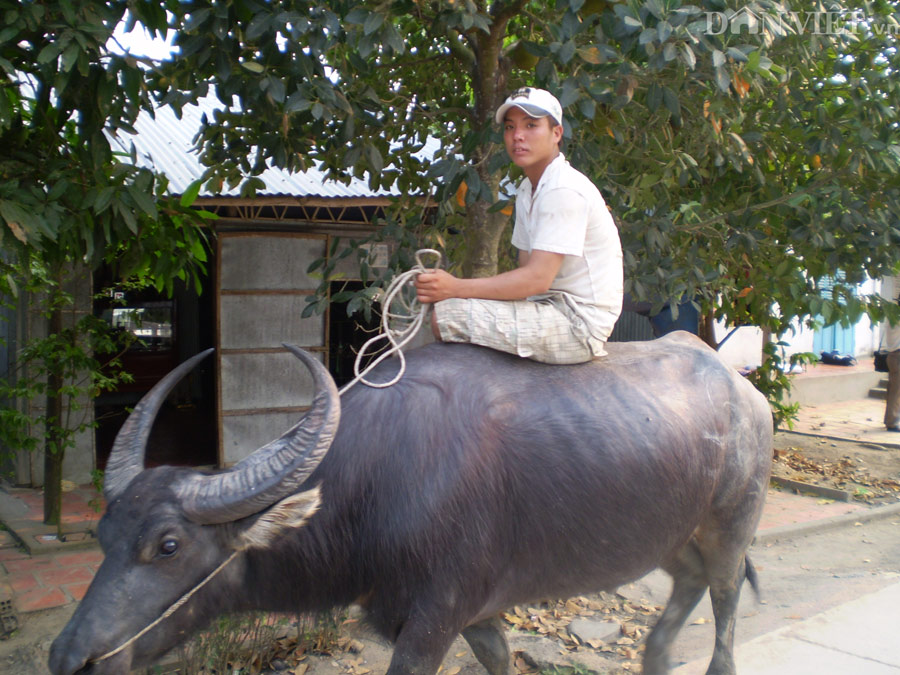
(688, 586)
(488, 642)
(725, 596)
(420, 647)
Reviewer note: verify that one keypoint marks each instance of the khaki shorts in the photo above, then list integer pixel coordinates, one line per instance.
(532, 330)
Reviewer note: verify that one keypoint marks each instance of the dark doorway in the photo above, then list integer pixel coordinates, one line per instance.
(347, 334)
(169, 330)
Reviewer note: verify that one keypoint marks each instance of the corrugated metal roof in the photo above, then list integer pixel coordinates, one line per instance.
(165, 144)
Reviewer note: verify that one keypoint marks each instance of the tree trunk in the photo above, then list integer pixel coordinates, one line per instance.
(707, 329)
(54, 448)
(766, 338)
(483, 237)
(490, 71)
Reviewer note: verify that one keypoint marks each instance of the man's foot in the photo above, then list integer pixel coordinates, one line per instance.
(894, 428)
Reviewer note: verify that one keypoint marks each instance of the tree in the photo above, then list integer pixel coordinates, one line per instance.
(66, 199)
(745, 155)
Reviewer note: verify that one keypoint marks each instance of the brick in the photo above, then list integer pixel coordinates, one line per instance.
(67, 575)
(77, 591)
(34, 500)
(41, 598)
(80, 558)
(29, 564)
(20, 583)
(12, 554)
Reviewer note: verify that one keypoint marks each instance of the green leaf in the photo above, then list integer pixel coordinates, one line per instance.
(654, 97)
(373, 157)
(48, 53)
(737, 55)
(103, 199)
(276, 89)
(190, 195)
(632, 23)
(253, 67)
(373, 22)
(145, 202)
(670, 98)
(722, 79)
(689, 58)
(753, 60)
(258, 26)
(297, 102)
(357, 15)
(718, 58)
(647, 35)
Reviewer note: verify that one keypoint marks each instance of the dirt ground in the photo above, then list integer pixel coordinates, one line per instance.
(539, 634)
(869, 473)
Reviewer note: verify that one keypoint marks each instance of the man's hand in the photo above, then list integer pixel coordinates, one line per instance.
(435, 285)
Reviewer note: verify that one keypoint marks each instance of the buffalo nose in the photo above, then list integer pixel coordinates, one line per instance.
(66, 659)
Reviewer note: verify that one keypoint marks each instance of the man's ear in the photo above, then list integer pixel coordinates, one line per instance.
(290, 513)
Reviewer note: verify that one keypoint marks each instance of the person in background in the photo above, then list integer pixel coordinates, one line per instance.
(562, 301)
(891, 343)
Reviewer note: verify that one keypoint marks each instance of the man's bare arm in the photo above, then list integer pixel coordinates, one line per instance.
(533, 277)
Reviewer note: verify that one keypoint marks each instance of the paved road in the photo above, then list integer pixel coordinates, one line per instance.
(831, 605)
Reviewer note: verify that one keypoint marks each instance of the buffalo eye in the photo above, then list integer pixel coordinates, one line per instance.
(168, 547)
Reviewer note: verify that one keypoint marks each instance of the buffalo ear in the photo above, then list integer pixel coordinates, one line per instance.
(291, 512)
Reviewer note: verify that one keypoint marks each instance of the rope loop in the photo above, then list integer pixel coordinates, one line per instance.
(398, 326)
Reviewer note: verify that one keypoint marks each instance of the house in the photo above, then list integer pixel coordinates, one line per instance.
(252, 389)
(744, 347)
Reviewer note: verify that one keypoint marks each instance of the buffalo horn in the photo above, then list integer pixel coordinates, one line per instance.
(275, 470)
(126, 460)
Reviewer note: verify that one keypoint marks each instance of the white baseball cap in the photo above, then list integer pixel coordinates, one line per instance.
(535, 102)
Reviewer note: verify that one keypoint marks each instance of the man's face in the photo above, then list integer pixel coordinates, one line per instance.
(532, 142)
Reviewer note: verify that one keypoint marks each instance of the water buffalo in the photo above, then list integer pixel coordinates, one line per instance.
(477, 482)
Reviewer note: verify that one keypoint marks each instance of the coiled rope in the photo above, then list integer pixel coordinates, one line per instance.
(398, 326)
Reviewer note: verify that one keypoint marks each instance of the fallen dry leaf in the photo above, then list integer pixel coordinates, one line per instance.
(843, 474)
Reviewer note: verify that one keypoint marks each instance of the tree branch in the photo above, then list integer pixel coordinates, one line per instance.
(763, 205)
(460, 50)
(504, 11)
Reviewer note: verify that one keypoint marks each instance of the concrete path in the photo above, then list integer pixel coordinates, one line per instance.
(841, 640)
(859, 420)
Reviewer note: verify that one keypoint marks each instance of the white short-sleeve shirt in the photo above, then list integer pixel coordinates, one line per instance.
(566, 214)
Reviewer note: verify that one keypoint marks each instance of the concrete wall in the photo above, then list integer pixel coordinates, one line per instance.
(263, 389)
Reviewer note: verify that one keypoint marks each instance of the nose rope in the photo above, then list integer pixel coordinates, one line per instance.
(169, 612)
(412, 312)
